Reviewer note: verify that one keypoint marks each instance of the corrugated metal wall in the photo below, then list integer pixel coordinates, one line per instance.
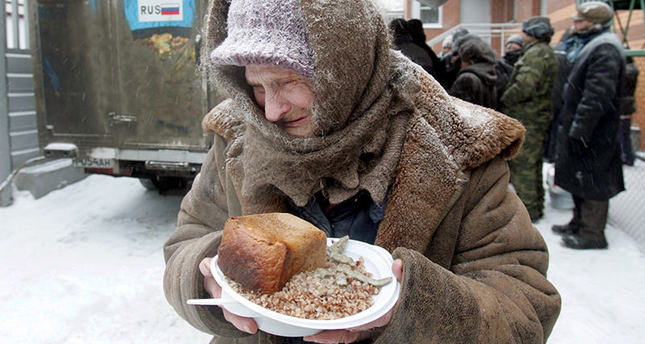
(18, 124)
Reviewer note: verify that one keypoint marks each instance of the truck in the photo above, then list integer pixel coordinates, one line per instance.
(118, 87)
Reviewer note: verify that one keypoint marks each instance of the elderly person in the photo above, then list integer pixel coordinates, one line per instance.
(588, 162)
(528, 99)
(328, 123)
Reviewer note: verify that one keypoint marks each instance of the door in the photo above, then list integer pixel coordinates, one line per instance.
(162, 97)
(122, 73)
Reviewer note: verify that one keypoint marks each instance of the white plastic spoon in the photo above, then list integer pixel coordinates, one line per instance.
(209, 302)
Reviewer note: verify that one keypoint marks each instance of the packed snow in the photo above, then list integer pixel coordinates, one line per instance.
(84, 264)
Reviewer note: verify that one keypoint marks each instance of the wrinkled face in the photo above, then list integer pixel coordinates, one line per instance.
(580, 25)
(285, 97)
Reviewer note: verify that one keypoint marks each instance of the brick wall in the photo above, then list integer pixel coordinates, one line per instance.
(501, 12)
(527, 8)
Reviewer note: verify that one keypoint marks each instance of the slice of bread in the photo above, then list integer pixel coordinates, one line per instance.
(262, 252)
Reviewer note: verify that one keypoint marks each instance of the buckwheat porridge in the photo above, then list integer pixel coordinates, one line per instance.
(340, 289)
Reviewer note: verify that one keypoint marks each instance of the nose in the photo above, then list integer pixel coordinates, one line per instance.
(275, 107)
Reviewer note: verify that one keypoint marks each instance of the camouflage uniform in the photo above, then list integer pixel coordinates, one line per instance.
(528, 99)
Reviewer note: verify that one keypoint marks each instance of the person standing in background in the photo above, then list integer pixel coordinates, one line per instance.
(476, 79)
(504, 66)
(528, 99)
(446, 47)
(556, 96)
(419, 38)
(627, 109)
(403, 41)
(587, 162)
(451, 61)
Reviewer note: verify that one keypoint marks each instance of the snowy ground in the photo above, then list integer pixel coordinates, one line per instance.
(84, 265)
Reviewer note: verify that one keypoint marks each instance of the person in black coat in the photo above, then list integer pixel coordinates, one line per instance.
(403, 41)
(627, 109)
(557, 96)
(419, 38)
(476, 79)
(588, 163)
(451, 61)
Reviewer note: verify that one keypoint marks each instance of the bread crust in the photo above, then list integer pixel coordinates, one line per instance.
(263, 251)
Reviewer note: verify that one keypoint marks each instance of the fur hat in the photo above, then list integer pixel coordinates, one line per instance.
(457, 36)
(538, 27)
(515, 39)
(475, 50)
(266, 32)
(596, 12)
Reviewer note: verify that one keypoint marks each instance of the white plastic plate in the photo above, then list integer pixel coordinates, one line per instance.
(377, 260)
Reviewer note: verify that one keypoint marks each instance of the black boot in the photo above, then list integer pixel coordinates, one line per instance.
(592, 221)
(573, 227)
(568, 229)
(580, 242)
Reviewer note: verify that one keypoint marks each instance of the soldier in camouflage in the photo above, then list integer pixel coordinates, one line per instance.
(528, 99)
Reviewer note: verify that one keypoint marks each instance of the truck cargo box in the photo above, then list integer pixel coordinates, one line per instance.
(117, 85)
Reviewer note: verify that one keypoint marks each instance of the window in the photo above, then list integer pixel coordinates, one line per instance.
(431, 17)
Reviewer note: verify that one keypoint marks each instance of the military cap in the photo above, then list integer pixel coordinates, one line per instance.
(538, 27)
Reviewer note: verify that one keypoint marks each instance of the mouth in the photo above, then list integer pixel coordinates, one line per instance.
(296, 122)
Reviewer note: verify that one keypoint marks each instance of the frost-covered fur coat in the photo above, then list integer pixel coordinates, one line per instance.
(474, 267)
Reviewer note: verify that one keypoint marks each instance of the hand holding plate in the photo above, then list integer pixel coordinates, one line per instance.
(247, 325)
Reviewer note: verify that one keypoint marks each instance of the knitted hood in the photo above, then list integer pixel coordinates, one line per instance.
(363, 100)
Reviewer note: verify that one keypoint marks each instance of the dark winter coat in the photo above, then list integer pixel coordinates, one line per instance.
(504, 70)
(415, 53)
(557, 96)
(627, 101)
(476, 84)
(588, 160)
(557, 100)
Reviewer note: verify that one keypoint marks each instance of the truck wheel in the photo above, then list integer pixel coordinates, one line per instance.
(148, 183)
(163, 184)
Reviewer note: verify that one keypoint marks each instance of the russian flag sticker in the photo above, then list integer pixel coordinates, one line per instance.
(160, 11)
(169, 9)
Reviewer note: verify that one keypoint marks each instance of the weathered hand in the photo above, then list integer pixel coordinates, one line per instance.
(243, 324)
(355, 334)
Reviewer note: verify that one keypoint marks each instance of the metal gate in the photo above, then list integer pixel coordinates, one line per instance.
(18, 123)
